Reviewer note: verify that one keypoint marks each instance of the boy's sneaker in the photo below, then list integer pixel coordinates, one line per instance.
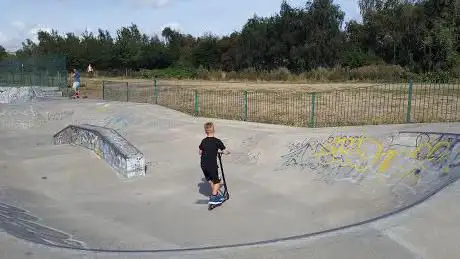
(221, 198)
(216, 199)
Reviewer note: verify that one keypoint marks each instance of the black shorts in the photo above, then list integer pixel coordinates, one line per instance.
(211, 173)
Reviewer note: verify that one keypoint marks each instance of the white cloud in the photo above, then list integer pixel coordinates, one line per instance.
(19, 32)
(32, 33)
(142, 3)
(173, 25)
(152, 3)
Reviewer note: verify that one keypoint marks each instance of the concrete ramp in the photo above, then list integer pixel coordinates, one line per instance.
(413, 165)
(285, 183)
(121, 155)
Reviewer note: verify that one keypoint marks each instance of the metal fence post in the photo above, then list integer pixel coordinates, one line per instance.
(245, 105)
(197, 104)
(22, 74)
(155, 91)
(409, 101)
(103, 89)
(312, 114)
(127, 92)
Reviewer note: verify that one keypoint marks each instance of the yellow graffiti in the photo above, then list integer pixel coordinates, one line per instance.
(388, 157)
(340, 148)
(432, 149)
(98, 152)
(364, 155)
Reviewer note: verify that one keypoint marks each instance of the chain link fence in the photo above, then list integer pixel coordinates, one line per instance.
(44, 71)
(382, 104)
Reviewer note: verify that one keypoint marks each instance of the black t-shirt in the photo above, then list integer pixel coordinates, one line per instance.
(209, 147)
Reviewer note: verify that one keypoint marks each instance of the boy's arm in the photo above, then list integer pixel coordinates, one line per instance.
(222, 147)
(200, 149)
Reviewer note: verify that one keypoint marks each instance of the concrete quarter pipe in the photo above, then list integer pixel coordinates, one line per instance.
(324, 181)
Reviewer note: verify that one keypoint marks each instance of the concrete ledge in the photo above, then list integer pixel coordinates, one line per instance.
(121, 155)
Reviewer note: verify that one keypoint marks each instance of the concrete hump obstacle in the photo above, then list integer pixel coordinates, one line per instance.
(108, 144)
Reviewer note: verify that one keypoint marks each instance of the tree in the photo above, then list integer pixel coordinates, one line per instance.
(420, 35)
(3, 53)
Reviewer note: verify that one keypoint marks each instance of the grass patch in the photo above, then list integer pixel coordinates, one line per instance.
(382, 104)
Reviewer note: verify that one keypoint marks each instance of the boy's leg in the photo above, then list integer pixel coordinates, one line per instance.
(78, 90)
(215, 197)
(207, 177)
(75, 89)
(215, 186)
(214, 175)
(210, 177)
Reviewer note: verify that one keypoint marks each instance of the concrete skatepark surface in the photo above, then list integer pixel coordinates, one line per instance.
(284, 182)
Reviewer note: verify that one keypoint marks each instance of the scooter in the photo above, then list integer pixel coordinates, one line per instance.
(224, 193)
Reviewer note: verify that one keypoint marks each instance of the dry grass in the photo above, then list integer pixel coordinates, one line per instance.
(92, 86)
(292, 104)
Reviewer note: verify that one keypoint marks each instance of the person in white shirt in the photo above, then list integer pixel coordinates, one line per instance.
(90, 70)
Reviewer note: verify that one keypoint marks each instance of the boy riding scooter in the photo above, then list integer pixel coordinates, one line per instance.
(208, 149)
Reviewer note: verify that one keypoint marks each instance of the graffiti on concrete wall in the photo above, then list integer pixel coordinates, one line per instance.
(63, 137)
(414, 160)
(440, 149)
(299, 154)
(21, 224)
(107, 145)
(109, 154)
(102, 148)
(19, 117)
(53, 116)
(93, 141)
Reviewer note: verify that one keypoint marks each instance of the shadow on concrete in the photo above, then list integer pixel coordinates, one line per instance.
(204, 188)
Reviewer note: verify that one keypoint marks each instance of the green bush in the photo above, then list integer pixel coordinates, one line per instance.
(175, 72)
(369, 73)
(357, 58)
(279, 74)
(378, 73)
(436, 77)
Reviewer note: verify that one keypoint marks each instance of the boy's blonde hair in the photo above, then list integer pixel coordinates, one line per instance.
(209, 127)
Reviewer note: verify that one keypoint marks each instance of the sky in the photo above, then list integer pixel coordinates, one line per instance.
(22, 19)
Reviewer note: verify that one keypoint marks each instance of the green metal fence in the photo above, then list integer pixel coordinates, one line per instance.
(49, 70)
(381, 104)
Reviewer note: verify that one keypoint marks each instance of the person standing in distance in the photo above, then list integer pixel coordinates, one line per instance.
(208, 149)
(76, 83)
(90, 70)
